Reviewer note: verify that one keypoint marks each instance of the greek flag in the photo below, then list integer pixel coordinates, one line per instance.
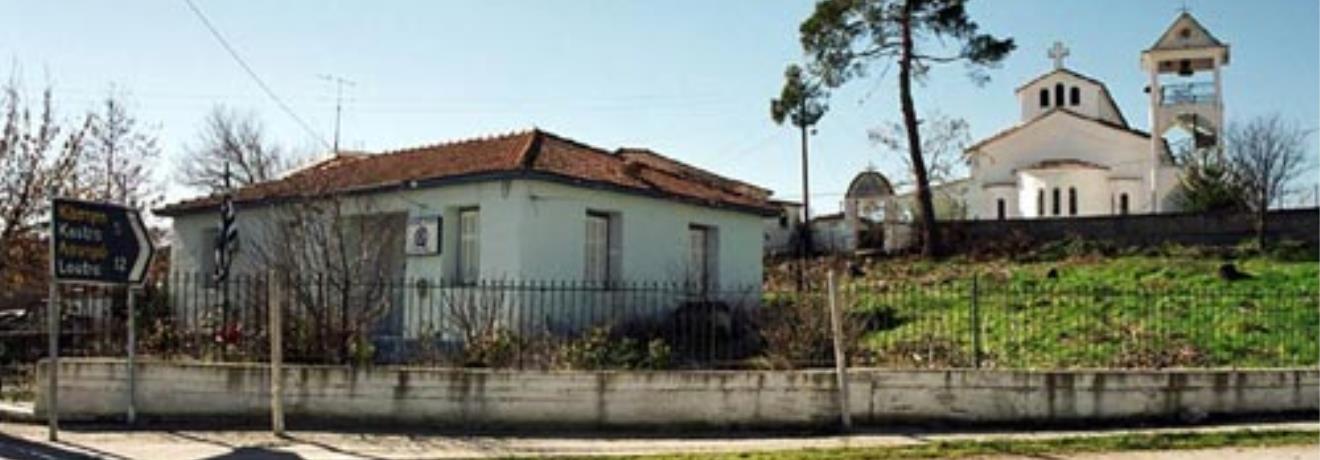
(226, 241)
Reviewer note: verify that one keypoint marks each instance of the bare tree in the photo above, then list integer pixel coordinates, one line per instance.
(1266, 155)
(228, 136)
(120, 153)
(38, 158)
(344, 261)
(942, 141)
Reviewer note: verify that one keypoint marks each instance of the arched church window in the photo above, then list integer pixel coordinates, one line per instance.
(1123, 204)
(1044, 97)
(1058, 94)
(1040, 203)
(1058, 198)
(1075, 96)
(1072, 201)
(999, 204)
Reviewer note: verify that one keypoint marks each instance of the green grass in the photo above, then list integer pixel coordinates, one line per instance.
(965, 449)
(1166, 307)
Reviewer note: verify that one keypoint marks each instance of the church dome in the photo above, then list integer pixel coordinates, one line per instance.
(869, 184)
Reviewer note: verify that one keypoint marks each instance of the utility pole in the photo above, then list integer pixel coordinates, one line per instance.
(804, 249)
(339, 83)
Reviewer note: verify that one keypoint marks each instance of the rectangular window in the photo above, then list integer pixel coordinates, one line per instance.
(702, 263)
(1072, 201)
(1057, 199)
(469, 245)
(598, 267)
(206, 254)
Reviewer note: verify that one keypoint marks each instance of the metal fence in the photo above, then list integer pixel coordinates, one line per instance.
(573, 325)
(996, 324)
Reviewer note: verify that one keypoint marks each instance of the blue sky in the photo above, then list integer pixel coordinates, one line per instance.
(691, 79)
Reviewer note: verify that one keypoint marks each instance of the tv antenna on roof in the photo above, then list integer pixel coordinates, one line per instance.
(339, 83)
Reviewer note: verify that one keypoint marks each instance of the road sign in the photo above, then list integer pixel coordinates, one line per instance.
(98, 243)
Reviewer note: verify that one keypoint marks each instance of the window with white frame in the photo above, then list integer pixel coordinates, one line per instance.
(469, 245)
(601, 249)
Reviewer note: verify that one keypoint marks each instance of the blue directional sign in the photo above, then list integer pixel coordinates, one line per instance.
(98, 243)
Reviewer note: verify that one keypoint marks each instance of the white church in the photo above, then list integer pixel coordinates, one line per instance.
(1073, 153)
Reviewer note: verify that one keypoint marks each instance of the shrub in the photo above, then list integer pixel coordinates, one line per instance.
(495, 348)
(599, 349)
(1292, 251)
(795, 331)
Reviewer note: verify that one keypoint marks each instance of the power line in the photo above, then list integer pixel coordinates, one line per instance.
(252, 73)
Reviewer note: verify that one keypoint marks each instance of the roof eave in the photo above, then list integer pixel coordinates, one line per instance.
(765, 211)
(976, 148)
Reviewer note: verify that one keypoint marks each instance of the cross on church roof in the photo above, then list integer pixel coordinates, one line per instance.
(1057, 53)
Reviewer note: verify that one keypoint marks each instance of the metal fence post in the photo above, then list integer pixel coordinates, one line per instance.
(840, 358)
(976, 322)
(53, 359)
(274, 305)
(132, 356)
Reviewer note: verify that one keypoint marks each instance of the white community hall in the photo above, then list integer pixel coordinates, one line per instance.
(1073, 153)
(528, 206)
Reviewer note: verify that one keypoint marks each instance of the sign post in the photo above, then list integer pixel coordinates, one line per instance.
(132, 355)
(53, 358)
(92, 243)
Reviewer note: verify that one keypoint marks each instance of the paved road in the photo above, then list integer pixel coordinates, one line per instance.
(27, 441)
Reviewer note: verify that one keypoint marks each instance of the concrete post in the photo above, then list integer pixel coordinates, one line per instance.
(840, 357)
(274, 305)
(976, 323)
(1156, 135)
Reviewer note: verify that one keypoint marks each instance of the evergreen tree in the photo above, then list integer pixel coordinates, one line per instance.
(843, 38)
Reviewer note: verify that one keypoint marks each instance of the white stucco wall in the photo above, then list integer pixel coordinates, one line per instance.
(1058, 137)
(530, 230)
(1092, 103)
(833, 235)
(779, 230)
(1092, 186)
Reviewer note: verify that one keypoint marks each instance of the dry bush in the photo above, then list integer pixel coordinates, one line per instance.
(796, 331)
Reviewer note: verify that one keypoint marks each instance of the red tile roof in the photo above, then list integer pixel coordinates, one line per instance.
(655, 160)
(533, 154)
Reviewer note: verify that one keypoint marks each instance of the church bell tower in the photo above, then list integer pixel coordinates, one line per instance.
(1185, 93)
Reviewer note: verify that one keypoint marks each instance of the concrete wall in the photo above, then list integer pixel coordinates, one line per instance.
(96, 389)
(1137, 229)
